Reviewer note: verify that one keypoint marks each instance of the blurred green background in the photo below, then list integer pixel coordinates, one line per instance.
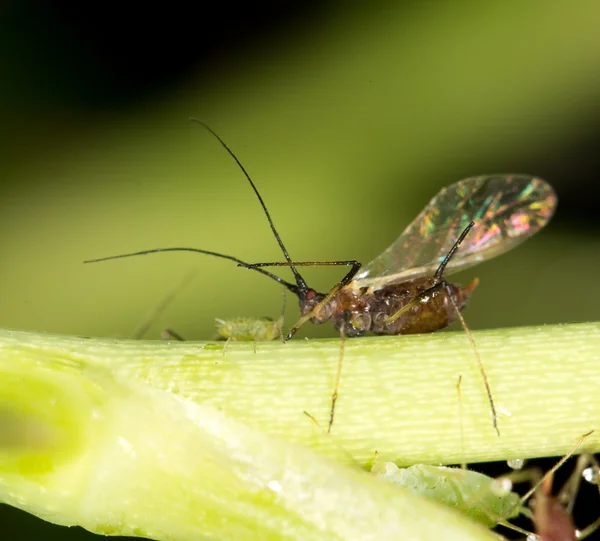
(349, 119)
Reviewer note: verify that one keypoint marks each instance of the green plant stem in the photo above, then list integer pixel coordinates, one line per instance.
(177, 441)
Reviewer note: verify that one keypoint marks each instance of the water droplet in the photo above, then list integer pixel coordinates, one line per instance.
(591, 475)
(516, 463)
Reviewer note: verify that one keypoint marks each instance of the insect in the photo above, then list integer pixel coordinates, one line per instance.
(470, 492)
(241, 329)
(246, 329)
(492, 501)
(404, 290)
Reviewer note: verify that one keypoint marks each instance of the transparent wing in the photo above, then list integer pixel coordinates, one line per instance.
(506, 210)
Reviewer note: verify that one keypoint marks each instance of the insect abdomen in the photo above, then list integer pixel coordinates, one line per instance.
(363, 311)
(429, 314)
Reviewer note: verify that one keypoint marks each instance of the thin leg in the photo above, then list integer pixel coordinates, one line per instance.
(569, 491)
(225, 346)
(551, 519)
(312, 418)
(426, 293)
(589, 530)
(169, 334)
(338, 377)
(332, 292)
(306, 317)
(477, 356)
(345, 280)
(554, 468)
(282, 316)
(438, 277)
(230, 340)
(414, 302)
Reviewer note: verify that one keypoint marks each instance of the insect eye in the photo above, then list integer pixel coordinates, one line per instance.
(310, 294)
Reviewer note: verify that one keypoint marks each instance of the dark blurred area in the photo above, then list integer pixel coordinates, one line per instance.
(100, 56)
(85, 82)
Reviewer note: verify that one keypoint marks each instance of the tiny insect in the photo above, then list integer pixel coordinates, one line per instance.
(472, 493)
(247, 329)
(404, 290)
(492, 501)
(241, 329)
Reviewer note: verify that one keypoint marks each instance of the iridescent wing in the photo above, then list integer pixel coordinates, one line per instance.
(506, 210)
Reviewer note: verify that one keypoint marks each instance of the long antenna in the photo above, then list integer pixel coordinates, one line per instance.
(302, 287)
(293, 288)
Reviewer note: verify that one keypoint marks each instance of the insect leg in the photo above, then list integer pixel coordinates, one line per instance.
(571, 487)
(332, 292)
(550, 514)
(169, 334)
(413, 302)
(344, 281)
(502, 491)
(312, 418)
(444, 284)
(477, 356)
(554, 468)
(438, 277)
(225, 346)
(281, 319)
(338, 376)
